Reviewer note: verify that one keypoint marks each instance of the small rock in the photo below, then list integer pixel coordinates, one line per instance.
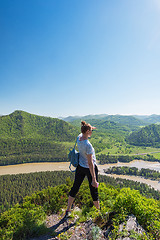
(131, 224)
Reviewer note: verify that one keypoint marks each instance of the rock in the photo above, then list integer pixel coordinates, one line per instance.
(93, 232)
(129, 227)
(89, 230)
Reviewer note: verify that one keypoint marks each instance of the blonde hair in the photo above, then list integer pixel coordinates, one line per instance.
(85, 127)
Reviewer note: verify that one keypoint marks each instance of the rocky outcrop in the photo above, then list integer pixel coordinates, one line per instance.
(129, 229)
(68, 229)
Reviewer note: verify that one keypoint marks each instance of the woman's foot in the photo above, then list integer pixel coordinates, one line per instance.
(67, 214)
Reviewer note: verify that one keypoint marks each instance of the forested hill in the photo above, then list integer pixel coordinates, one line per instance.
(22, 124)
(27, 137)
(147, 136)
(153, 118)
(129, 121)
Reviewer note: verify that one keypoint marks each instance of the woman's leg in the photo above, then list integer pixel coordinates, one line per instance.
(93, 190)
(70, 202)
(79, 177)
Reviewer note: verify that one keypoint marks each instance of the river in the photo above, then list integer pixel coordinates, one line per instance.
(138, 164)
(59, 166)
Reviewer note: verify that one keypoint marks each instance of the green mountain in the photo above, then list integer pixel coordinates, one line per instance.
(22, 124)
(131, 122)
(27, 137)
(147, 136)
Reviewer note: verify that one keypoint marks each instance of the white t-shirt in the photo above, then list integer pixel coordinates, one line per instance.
(85, 148)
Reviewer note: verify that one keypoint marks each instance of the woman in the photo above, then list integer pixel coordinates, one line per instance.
(87, 167)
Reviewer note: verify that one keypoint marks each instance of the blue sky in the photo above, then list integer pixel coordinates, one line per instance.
(67, 57)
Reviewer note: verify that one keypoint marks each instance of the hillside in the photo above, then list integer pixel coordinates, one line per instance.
(105, 126)
(27, 137)
(147, 136)
(131, 122)
(13, 188)
(107, 135)
(29, 218)
(154, 118)
(22, 124)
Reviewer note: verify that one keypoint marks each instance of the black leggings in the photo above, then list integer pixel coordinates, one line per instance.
(80, 174)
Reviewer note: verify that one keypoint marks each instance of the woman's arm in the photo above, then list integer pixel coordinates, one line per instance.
(92, 171)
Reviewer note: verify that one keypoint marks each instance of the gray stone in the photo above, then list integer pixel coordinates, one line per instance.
(131, 224)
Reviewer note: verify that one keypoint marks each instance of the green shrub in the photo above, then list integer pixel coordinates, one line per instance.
(27, 219)
(21, 221)
(147, 211)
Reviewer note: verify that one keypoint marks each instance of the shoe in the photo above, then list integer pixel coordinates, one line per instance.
(67, 214)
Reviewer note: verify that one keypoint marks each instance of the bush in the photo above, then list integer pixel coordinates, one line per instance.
(21, 221)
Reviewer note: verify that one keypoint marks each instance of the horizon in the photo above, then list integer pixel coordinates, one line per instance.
(78, 116)
(69, 58)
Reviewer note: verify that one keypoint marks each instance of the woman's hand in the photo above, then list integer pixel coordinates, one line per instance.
(92, 170)
(95, 183)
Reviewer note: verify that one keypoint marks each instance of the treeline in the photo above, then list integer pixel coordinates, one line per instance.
(107, 158)
(13, 188)
(26, 220)
(32, 150)
(143, 188)
(147, 173)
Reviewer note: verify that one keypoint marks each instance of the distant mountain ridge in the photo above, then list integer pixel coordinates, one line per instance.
(131, 122)
(154, 118)
(72, 118)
